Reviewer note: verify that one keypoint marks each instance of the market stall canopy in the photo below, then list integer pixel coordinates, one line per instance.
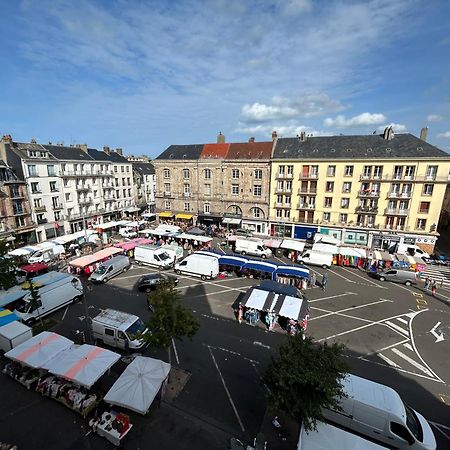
(98, 256)
(132, 209)
(262, 266)
(232, 221)
(382, 256)
(291, 244)
(33, 268)
(208, 253)
(294, 271)
(193, 237)
(326, 239)
(148, 215)
(165, 214)
(156, 233)
(292, 308)
(184, 216)
(196, 230)
(22, 251)
(7, 316)
(352, 251)
(230, 260)
(131, 245)
(83, 365)
(139, 384)
(272, 243)
(278, 288)
(73, 237)
(38, 350)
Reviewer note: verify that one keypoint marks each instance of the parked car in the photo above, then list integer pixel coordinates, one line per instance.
(149, 282)
(396, 275)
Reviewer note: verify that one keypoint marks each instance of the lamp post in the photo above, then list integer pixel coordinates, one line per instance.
(87, 318)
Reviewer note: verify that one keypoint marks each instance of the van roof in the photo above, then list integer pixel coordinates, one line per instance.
(113, 260)
(116, 319)
(374, 394)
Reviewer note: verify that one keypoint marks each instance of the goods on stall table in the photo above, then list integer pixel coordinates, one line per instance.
(24, 375)
(113, 426)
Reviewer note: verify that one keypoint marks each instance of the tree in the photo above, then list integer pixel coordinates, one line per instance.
(305, 378)
(7, 267)
(170, 320)
(35, 301)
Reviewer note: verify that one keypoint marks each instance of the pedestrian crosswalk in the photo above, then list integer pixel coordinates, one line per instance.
(439, 273)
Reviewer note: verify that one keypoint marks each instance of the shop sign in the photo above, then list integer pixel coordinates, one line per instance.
(409, 240)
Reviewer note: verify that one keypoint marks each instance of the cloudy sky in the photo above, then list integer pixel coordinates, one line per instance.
(146, 74)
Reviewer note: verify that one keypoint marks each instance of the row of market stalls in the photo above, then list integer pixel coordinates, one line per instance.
(57, 368)
(87, 264)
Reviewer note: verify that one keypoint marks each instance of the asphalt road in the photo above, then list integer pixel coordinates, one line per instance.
(392, 332)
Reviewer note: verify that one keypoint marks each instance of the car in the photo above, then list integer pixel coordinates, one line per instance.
(149, 282)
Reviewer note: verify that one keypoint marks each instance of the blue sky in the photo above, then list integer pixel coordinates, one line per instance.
(142, 75)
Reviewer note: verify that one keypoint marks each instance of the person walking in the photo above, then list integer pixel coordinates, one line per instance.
(324, 281)
(433, 288)
(313, 279)
(427, 283)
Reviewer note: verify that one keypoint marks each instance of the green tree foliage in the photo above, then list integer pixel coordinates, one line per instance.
(170, 320)
(304, 378)
(35, 301)
(7, 267)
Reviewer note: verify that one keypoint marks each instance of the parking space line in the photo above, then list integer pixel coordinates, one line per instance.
(388, 347)
(411, 361)
(330, 313)
(363, 278)
(337, 313)
(129, 276)
(332, 296)
(389, 361)
(397, 328)
(438, 427)
(227, 391)
(65, 312)
(342, 276)
(175, 351)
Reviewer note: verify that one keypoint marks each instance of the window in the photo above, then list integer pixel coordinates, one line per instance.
(290, 171)
(51, 170)
(207, 174)
(235, 189)
(123, 182)
(279, 199)
(287, 213)
(67, 196)
(256, 213)
(421, 224)
(377, 171)
(279, 213)
(288, 186)
(281, 170)
(431, 172)
(186, 174)
(347, 187)
(402, 432)
(128, 169)
(348, 172)
(55, 202)
(117, 193)
(124, 192)
(257, 190)
(258, 174)
(57, 215)
(428, 189)
(207, 189)
(207, 208)
(329, 186)
(166, 173)
(326, 216)
(235, 174)
(328, 202)
(287, 200)
(38, 203)
(167, 188)
(367, 171)
(129, 192)
(187, 206)
(345, 202)
(109, 332)
(40, 218)
(398, 171)
(424, 207)
(167, 204)
(314, 171)
(409, 172)
(235, 210)
(35, 189)
(115, 169)
(343, 217)
(20, 222)
(32, 171)
(122, 169)
(331, 171)
(128, 181)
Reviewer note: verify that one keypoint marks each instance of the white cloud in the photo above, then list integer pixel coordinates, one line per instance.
(434, 118)
(445, 135)
(359, 120)
(397, 127)
(283, 130)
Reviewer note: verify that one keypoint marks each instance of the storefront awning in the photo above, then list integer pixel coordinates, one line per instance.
(232, 221)
(165, 214)
(182, 216)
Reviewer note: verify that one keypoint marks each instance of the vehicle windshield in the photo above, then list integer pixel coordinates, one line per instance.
(101, 270)
(23, 306)
(413, 423)
(135, 329)
(164, 256)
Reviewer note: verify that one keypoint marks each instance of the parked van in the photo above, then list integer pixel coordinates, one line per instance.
(57, 290)
(174, 250)
(411, 249)
(253, 247)
(47, 255)
(377, 411)
(407, 277)
(119, 329)
(203, 266)
(153, 256)
(128, 232)
(110, 268)
(327, 437)
(314, 258)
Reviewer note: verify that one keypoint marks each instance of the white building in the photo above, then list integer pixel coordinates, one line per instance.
(145, 185)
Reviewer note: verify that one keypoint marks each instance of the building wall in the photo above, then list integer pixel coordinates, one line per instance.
(123, 183)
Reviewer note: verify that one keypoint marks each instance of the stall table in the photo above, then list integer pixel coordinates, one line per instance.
(105, 428)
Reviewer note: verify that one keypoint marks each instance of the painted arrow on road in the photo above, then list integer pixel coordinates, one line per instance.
(439, 336)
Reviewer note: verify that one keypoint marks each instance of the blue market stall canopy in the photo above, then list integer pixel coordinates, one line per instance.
(237, 261)
(262, 266)
(278, 288)
(7, 316)
(293, 271)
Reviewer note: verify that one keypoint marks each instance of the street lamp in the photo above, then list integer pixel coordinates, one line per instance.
(88, 321)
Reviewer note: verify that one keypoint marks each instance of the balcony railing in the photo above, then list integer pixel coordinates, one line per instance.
(424, 211)
(57, 207)
(396, 212)
(368, 194)
(282, 175)
(86, 201)
(19, 212)
(283, 205)
(366, 210)
(302, 191)
(305, 206)
(40, 208)
(82, 188)
(42, 221)
(308, 176)
(283, 191)
(399, 195)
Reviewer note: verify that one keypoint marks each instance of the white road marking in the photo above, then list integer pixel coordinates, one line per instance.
(337, 313)
(400, 319)
(342, 276)
(332, 296)
(175, 351)
(390, 362)
(260, 344)
(397, 328)
(412, 362)
(408, 346)
(384, 348)
(65, 312)
(227, 391)
(438, 427)
(366, 278)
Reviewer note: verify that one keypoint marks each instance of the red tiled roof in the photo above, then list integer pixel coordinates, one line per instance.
(215, 151)
(250, 150)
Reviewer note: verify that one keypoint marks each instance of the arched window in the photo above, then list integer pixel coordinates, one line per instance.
(234, 209)
(257, 213)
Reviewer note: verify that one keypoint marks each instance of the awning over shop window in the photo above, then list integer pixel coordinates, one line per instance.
(232, 221)
(165, 214)
(182, 216)
(132, 209)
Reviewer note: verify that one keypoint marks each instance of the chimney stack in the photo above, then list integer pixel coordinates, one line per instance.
(274, 135)
(106, 149)
(119, 151)
(220, 138)
(83, 147)
(423, 134)
(33, 141)
(302, 136)
(252, 139)
(388, 133)
(7, 138)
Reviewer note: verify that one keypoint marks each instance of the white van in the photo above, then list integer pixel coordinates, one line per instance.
(110, 268)
(128, 232)
(174, 250)
(118, 329)
(203, 266)
(153, 256)
(328, 437)
(59, 290)
(377, 411)
(411, 249)
(47, 255)
(253, 247)
(313, 258)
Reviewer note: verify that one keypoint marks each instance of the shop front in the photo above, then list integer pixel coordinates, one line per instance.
(255, 226)
(333, 232)
(281, 230)
(165, 215)
(207, 219)
(232, 221)
(185, 218)
(386, 242)
(301, 232)
(355, 237)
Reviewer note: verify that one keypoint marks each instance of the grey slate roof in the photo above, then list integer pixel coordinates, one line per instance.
(21, 149)
(115, 157)
(98, 155)
(144, 168)
(67, 153)
(182, 152)
(356, 147)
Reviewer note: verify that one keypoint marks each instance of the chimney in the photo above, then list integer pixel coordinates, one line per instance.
(106, 149)
(252, 139)
(388, 133)
(220, 138)
(302, 136)
(7, 138)
(119, 151)
(274, 136)
(83, 147)
(423, 134)
(33, 141)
